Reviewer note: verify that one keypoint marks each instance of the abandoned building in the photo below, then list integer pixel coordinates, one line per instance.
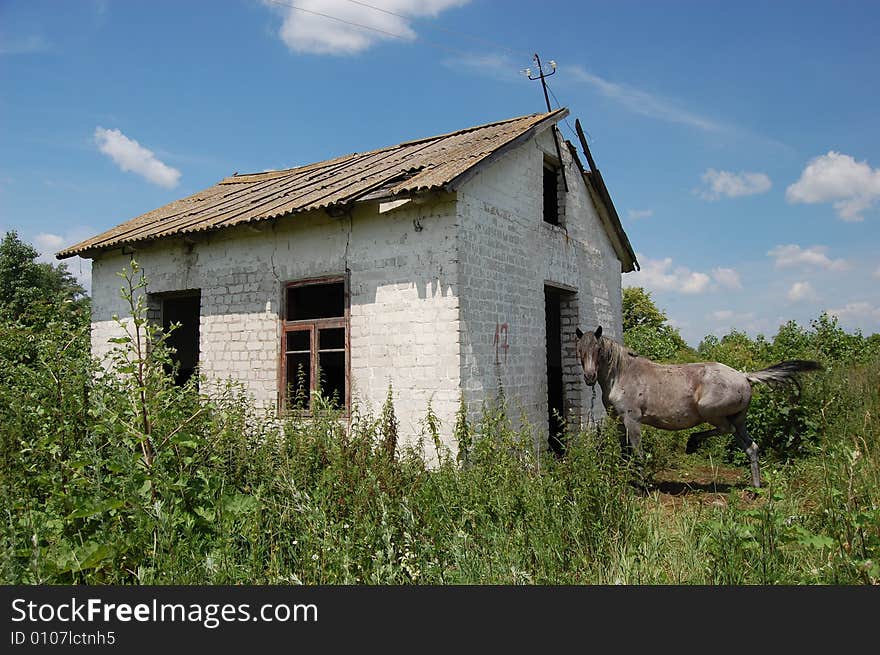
(447, 266)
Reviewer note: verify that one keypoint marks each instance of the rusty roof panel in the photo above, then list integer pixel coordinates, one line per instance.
(410, 167)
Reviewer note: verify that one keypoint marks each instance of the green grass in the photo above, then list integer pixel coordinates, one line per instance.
(124, 478)
(244, 501)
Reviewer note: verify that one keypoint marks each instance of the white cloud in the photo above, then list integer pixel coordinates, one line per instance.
(852, 186)
(695, 283)
(498, 67)
(732, 185)
(47, 244)
(727, 278)
(802, 291)
(345, 27)
(642, 102)
(25, 45)
(635, 214)
(809, 258)
(730, 319)
(860, 314)
(659, 275)
(130, 155)
(858, 309)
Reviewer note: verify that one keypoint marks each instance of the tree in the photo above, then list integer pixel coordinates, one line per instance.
(791, 342)
(734, 349)
(27, 286)
(647, 331)
(639, 309)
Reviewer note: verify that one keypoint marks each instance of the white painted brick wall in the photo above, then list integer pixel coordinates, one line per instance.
(403, 313)
(507, 254)
(430, 283)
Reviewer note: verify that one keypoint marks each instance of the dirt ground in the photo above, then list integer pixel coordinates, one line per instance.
(705, 485)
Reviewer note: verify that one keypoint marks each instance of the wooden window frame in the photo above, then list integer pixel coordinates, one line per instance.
(313, 326)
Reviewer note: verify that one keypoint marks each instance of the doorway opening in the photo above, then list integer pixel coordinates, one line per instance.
(561, 321)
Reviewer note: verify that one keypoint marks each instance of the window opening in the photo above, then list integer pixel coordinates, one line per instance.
(314, 343)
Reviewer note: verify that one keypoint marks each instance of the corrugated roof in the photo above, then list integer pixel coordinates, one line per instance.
(408, 168)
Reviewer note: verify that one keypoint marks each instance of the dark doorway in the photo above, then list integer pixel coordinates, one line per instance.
(555, 388)
(563, 378)
(183, 309)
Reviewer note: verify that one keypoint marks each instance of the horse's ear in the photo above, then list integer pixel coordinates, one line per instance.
(578, 333)
(598, 332)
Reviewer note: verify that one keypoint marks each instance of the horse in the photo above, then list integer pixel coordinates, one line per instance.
(678, 396)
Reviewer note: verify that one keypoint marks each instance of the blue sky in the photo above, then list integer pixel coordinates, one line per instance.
(739, 141)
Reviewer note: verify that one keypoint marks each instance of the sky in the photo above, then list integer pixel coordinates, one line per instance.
(739, 141)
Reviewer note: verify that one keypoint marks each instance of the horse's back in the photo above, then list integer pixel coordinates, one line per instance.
(662, 395)
(680, 396)
(722, 390)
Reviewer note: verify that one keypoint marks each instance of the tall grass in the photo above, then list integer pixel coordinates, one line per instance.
(317, 502)
(230, 495)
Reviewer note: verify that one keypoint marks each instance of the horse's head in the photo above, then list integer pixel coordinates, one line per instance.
(588, 347)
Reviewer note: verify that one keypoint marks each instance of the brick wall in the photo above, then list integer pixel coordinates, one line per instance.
(507, 255)
(447, 295)
(403, 307)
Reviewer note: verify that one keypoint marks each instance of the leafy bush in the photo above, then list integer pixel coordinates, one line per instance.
(647, 331)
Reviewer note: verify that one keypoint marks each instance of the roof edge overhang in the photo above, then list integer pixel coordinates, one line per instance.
(551, 119)
(607, 214)
(381, 192)
(419, 196)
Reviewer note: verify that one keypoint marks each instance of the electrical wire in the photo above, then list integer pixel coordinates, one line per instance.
(459, 33)
(394, 35)
(565, 120)
(430, 42)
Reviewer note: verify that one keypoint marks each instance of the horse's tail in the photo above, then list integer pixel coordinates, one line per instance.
(784, 373)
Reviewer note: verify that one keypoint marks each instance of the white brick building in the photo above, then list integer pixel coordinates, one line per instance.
(443, 266)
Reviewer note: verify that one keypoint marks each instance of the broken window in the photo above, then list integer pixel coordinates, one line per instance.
(551, 191)
(314, 342)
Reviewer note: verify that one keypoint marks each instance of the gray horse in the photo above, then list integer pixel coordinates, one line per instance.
(678, 396)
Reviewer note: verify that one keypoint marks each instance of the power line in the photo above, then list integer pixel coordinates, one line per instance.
(402, 37)
(393, 35)
(459, 33)
(565, 120)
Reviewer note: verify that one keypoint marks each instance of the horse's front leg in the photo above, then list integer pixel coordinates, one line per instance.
(617, 419)
(621, 433)
(633, 435)
(634, 441)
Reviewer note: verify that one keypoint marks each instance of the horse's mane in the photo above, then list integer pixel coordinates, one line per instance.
(616, 355)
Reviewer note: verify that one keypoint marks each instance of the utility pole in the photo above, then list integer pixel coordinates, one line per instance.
(541, 76)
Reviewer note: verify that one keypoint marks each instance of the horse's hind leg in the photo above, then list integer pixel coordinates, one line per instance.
(745, 442)
(697, 438)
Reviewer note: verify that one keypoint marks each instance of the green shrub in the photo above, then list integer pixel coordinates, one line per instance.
(122, 477)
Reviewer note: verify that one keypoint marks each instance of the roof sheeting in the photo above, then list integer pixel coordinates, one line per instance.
(408, 168)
